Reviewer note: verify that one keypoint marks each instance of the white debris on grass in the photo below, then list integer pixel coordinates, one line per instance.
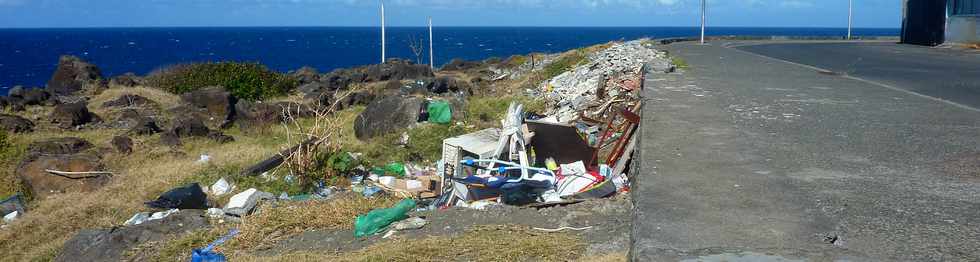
(220, 187)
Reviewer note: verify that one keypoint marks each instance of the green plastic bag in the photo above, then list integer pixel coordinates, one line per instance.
(440, 112)
(379, 219)
(396, 169)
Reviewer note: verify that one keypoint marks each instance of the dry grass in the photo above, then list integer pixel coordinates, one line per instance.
(611, 257)
(274, 224)
(481, 243)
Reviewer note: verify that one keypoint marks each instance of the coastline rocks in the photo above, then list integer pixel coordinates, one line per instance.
(15, 124)
(387, 115)
(185, 126)
(42, 183)
(314, 89)
(16, 91)
(397, 69)
(442, 85)
(72, 115)
(126, 80)
(36, 96)
(128, 100)
(111, 244)
(306, 75)
(358, 98)
(252, 114)
(460, 65)
(145, 126)
(217, 104)
(73, 75)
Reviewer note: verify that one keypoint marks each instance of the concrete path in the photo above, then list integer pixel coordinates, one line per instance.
(747, 158)
(944, 73)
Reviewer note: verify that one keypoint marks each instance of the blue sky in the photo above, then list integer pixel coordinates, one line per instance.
(123, 13)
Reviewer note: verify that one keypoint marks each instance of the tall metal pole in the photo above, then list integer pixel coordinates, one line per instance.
(850, 17)
(703, 18)
(432, 59)
(382, 32)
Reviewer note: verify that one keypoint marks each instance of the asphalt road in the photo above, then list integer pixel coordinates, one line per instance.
(748, 158)
(947, 74)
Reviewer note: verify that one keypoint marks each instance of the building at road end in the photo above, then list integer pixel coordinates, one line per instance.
(934, 22)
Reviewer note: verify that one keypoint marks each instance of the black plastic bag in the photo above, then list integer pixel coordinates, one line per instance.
(186, 197)
(11, 204)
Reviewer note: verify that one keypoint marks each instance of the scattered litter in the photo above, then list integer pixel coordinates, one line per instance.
(163, 214)
(187, 197)
(440, 112)
(242, 204)
(208, 255)
(409, 224)
(216, 213)
(9, 218)
(370, 191)
(138, 218)
(220, 187)
(379, 219)
(205, 158)
(13, 203)
(563, 228)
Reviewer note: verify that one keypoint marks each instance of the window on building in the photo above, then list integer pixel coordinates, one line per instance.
(965, 7)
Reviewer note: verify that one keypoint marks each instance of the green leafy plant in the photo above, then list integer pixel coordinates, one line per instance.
(248, 81)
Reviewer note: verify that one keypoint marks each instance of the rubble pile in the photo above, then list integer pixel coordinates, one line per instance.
(607, 74)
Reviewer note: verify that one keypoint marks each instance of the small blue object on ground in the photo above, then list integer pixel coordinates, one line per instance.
(208, 255)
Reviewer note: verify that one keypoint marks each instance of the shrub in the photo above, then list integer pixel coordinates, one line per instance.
(248, 81)
(563, 64)
(10, 154)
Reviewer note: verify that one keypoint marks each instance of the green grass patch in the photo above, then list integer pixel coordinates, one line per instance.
(248, 81)
(11, 153)
(563, 64)
(680, 62)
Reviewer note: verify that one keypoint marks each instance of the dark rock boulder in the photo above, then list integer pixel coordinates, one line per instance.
(72, 115)
(360, 97)
(397, 69)
(128, 100)
(145, 126)
(387, 115)
(36, 96)
(218, 105)
(15, 124)
(314, 89)
(306, 75)
(254, 114)
(169, 139)
(186, 126)
(446, 84)
(343, 78)
(460, 65)
(73, 75)
(123, 144)
(126, 80)
(16, 91)
(42, 183)
(15, 104)
(218, 136)
(111, 244)
(58, 146)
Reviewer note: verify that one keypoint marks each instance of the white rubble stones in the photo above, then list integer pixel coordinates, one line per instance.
(9, 218)
(409, 224)
(243, 203)
(143, 217)
(575, 91)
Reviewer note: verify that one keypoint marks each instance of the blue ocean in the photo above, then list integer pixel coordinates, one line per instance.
(29, 56)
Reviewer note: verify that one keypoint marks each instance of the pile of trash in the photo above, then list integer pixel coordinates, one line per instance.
(610, 76)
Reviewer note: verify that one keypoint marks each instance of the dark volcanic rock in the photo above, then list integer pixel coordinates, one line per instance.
(128, 100)
(126, 80)
(445, 84)
(387, 115)
(36, 96)
(251, 114)
(306, 75)
(145, 126)
(123, 144)
(460, 64)
(397, 69)
(170, 139)
(72, 115)
(13, 103)
(314, 89)
(186, 126)
(16, 91)
(218, 136)
(73, 75)
(112, 243)
(218, 104)
(361, 97)
(57, 146)
(42, 184)
(15, 124)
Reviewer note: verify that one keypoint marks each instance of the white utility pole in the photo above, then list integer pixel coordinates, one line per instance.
(703, 19)
(432, 57)
(850, 17)
(382, 32)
